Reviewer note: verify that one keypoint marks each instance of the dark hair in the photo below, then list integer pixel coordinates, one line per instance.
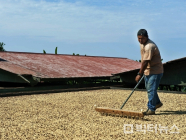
(142, 32)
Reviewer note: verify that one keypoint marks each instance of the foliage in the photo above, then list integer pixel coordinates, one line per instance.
(75, 54)
(138, 61)
(56, 50)
(44, 51)
(2, 47)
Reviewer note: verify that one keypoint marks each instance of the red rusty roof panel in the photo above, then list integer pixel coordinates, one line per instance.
(68, 66)
(8, 66)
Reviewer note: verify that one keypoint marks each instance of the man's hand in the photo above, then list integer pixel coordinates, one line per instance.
(138, 77)
(143, 67)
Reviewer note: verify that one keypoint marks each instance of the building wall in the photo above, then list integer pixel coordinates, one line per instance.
(128, 79)
(6, 76)
(174, 74)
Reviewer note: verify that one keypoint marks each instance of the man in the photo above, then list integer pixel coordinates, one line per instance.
(152, 68)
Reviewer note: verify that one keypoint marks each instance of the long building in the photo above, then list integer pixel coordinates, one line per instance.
(174, 74)
(33, 68)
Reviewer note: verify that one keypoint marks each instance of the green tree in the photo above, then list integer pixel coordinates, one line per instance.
(56, 50)
(2, 47)
(75, 54)
(138, 61)
(44, 51)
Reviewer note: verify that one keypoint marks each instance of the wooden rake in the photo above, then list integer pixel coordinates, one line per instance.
(119, 112)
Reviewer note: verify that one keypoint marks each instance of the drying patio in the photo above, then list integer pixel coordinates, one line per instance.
(71, 115)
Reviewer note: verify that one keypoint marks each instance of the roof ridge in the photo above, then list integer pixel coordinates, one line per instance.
(63, 54)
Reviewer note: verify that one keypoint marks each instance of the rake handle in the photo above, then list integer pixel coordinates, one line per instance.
(132, 91)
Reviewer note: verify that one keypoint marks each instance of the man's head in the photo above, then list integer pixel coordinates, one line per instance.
(142, 36)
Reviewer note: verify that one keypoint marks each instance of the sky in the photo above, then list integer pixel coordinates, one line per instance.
(93, 27)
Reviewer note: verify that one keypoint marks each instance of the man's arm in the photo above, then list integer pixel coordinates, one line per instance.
(143, 67)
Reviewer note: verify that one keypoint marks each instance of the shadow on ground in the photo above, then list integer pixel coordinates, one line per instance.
(181, 112)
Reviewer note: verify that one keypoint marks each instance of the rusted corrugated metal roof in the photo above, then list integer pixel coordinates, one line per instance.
(64, 66)
(8, 66)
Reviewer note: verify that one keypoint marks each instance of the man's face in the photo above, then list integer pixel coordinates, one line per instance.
(142, 39)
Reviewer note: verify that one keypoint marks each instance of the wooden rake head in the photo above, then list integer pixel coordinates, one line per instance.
(119, 112)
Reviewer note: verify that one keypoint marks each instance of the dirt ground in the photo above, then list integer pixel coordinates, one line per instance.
(71, 115)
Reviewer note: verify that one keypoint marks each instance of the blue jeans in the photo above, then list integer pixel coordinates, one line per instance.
(151, 83)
